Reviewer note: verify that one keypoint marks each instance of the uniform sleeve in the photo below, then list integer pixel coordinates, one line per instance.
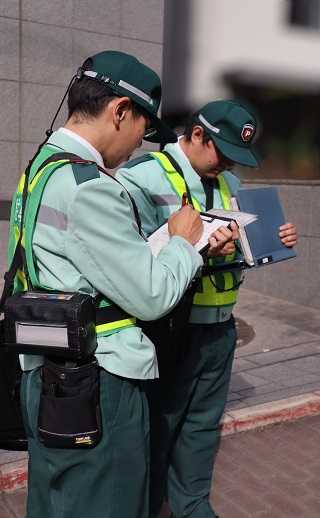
(104, 244)
(135, 180)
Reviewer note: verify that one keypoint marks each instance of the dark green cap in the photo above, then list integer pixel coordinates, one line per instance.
(232, 129)
(126, 76)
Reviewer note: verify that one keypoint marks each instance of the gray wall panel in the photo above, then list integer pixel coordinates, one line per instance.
(312, 271)
(142, 19)
(315, 213)
(9, 168)
(9, 8)
(26, 153)
(9, 49)
(39, 104)
(3, 245)
(57, 37)
(46, 54)
(149, 53)
(86, 44)
(296, 201)
(59, 12)
(9, 121)
(296, 280)
(97, 16)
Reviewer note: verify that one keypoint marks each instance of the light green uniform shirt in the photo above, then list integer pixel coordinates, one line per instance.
(86, 239)
(156, 200)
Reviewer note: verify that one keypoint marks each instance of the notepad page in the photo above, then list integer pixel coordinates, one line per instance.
(161, 237)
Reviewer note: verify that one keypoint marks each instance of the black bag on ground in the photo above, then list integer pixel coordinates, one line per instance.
(69, 413)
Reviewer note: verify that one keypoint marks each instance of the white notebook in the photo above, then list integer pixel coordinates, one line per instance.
(212, 220)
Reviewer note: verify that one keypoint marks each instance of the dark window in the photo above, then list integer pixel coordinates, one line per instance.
(305, 13)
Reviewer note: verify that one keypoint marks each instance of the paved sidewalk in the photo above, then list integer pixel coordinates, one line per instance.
(278, 354)
(275, 376)
(269, 473)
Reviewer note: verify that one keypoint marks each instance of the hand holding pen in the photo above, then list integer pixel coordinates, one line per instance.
(186, 222)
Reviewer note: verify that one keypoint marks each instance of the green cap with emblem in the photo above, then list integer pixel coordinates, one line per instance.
(232, 129)
(126, 76)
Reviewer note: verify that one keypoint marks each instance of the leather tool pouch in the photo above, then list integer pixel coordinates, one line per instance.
(48, 323)
(69, 413)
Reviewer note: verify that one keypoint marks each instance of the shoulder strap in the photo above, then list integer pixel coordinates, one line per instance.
(225, 191)
(175, 176)
(60, 159)
(138, 160)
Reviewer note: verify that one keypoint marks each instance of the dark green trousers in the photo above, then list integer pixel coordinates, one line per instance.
(186, 407)
(109, 481)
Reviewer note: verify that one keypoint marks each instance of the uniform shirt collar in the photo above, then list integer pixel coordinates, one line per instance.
(85, 150)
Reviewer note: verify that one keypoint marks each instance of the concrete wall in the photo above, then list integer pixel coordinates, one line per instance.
(41, 45)
(296, 280)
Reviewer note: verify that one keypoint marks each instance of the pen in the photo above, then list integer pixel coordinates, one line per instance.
(184, 200)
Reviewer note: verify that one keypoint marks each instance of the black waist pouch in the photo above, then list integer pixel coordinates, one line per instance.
(69, 413)
(51, 323)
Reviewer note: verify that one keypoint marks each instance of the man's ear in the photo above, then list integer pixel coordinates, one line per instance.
(197, 134)
(121, 108)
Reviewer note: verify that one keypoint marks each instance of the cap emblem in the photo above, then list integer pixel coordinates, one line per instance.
(247, 132)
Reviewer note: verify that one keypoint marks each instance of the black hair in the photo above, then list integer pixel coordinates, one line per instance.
(190, 124)
(88, 96)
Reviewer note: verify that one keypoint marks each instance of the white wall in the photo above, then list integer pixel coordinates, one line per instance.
(252, 36)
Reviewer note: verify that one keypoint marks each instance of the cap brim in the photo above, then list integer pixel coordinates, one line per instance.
(164, 133)
(239, 155)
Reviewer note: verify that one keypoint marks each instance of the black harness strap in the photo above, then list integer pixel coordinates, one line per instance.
(109, 314)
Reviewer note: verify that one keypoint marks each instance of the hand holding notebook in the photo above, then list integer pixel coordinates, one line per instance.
(211, 220)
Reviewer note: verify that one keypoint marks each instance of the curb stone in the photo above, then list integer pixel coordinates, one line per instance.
(14, 475)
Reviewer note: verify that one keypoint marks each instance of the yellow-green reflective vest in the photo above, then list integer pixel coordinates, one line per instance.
(220, 289)
(114, 318)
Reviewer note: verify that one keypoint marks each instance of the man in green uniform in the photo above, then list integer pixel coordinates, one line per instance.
(188, 403)
(86, 239)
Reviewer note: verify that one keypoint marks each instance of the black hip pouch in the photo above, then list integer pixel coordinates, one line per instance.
(50, 323)
(69, 413)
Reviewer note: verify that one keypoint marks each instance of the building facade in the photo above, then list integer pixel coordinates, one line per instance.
(41, 46)
(264, 52)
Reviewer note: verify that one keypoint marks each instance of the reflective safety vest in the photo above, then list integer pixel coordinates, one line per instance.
(218, 289)
(109, 317)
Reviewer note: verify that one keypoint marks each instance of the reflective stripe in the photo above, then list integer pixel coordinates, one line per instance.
(210, 297)
(178, 183)
(37, 177)
(56, 219)
(224, 192)
(22, 278)
(122, 84)
(115, 326)
(165, 199)
(207, 124)
(52, 217)
(90, 73)
(16, 233)
(136, 91)
(21, 183)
